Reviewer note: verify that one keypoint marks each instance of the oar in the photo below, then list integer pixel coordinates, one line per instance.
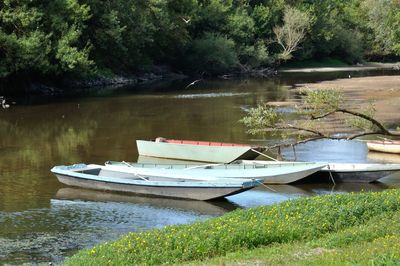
(136, 174)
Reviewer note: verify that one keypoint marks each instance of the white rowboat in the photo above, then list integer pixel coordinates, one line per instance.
(124, 179)
(284, 173)
(389, 146)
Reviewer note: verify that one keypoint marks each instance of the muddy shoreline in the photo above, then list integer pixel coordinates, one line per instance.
(359, 67)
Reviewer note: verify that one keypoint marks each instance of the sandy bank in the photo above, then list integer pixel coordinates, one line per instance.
(368, 66)
(382, 91)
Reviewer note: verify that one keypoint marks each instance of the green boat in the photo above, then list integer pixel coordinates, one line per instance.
(201, 151)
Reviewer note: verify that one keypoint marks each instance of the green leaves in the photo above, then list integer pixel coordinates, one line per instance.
(43, 37)
(289, 36)
(214, 53)
(129, 35)
(261, 118)
(69, 56)
(319, 102)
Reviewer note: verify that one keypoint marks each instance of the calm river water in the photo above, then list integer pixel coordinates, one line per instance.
(42, 220)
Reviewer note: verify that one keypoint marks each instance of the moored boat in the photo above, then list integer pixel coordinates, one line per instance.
(345, 172)
(388, 146)
(124, 179)
(202, 151)
(284, 173)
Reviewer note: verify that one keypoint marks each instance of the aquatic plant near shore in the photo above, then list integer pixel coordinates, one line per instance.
(308, 218)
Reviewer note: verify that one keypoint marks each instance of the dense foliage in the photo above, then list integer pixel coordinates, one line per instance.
(59, 37)
(297, 220)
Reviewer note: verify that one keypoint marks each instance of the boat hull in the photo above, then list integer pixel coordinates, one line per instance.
(348, 177)
(170, 192)
(200, 153)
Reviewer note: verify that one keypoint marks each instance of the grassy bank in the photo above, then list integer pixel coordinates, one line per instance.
(349, 228)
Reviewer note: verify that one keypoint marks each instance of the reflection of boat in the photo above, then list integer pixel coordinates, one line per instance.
(312, 189)
(269, 173)
(345, 172)
(289, 189)
(389, 146)
(202, 151)
(202, 207)
(154, 182)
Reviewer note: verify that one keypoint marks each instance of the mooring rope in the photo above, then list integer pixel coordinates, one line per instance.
(258, 181)
(260, 153)
(136, 174)
(330, 174)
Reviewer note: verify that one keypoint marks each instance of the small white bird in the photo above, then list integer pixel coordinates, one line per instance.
(3, 103)
(185, 20)
(191, 84)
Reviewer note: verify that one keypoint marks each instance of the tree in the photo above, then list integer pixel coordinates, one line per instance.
(382, 19)
(292, 32)
(316, 107)
(213, 53)
(43, 37)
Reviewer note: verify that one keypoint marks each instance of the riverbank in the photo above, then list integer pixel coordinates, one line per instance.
(310, 230)
(359, 67)
(52, 86)
(382, 91)
(379, 94)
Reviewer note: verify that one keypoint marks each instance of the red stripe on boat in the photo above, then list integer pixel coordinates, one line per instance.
(204, 143)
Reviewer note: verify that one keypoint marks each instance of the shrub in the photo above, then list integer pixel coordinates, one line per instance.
(214, 53)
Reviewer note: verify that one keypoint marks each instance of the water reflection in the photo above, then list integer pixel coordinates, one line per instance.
(67, 225)
(267, 195)
(200, 207)
(329, 151)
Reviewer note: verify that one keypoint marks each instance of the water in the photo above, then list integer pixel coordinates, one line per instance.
(42, 220)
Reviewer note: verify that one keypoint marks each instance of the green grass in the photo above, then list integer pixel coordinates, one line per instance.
(312, 63)
(376, 242)
(345, 229)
